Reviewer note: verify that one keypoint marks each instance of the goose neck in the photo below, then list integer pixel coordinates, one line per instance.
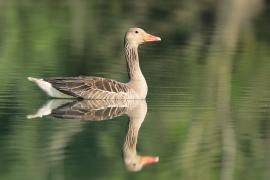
(132, 58)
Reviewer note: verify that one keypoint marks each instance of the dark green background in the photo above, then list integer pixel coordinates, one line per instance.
(209, 88)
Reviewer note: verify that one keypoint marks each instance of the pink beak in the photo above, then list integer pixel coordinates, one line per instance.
(149, 159)
(149, 38)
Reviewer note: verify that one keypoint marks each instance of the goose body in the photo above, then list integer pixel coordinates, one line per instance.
(88, 87)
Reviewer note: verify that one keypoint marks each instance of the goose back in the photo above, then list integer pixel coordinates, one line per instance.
(92, 87)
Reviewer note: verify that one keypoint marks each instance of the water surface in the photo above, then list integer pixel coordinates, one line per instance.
(208, 105)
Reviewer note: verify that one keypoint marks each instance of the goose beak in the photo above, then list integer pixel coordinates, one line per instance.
(149, 159)
(150, 38)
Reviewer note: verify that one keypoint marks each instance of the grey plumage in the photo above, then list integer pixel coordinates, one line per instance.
(90, 87)
(102, 88)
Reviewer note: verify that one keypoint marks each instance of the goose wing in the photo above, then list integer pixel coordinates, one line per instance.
(88, 87)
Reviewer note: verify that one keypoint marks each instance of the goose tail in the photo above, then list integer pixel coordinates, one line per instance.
(48, 88)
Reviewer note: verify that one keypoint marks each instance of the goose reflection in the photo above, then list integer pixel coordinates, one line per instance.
(98, 110)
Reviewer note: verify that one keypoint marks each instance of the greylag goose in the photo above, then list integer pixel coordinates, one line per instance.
(103, 88)
(98, 110)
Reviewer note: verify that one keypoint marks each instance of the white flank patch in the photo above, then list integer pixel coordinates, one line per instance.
(47, 87)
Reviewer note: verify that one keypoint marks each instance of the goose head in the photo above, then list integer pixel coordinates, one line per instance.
(137, 36)
(137, 162)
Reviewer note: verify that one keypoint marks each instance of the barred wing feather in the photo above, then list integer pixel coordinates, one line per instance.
(89, 87)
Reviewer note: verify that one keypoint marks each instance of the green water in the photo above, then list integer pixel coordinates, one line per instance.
(208, 105)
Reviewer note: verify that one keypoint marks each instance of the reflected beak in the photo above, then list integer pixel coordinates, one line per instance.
(149, 159)
(150, 38)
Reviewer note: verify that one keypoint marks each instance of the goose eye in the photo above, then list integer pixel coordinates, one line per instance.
(136, 32)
